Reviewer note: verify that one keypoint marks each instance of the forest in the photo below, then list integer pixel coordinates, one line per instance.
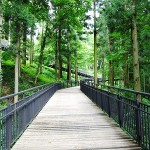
(108, 39)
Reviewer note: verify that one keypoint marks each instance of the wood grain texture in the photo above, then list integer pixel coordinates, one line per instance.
(70, 121)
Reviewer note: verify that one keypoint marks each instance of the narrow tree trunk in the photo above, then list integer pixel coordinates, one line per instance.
(111, 73)
(19, 58)
(69, 59)
(69, 67)
(59, 54)
(1, 18)
(43, 42)
(76, 66)
(136, 72)
(17, 40)
(24, 43)
(126, 72)
(32, 46)
(95, 46)
(16, 75)
(103, 69)
(111, 68)
(56, 59)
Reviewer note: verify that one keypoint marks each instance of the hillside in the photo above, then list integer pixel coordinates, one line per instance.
(27, 77)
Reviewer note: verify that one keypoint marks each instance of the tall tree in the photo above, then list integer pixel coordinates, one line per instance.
(17, 48)
(136, 72)
(31, 51)
(24, 43)
(95, 45)
(19, 14)
(63, 20)
(43, 43)
(1, 18)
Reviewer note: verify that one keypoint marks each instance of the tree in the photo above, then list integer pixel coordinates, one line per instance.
(1, 18)
(95, 45)
(136, 72)
(43, 43)
(19, 14)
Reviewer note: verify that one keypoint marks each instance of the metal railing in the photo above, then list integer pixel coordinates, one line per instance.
(15, 118)
(123, 106)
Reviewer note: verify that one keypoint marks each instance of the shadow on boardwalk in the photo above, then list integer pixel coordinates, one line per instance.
(70, 121)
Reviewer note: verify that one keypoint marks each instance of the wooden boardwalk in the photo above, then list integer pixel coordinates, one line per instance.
(70, 121)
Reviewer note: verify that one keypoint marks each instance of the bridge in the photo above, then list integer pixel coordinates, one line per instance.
(81, 117)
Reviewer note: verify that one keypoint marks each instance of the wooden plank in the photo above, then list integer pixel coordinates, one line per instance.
(70, 121)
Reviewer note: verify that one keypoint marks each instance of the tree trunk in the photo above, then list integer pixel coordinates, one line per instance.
(1, 18)
(32, 46)
(69, 58)
(76, 66)
(56, 59)
(43, 43)
(17, 41)
(24, 43)
(103, 69)
(16, 74)
(59, 54)
(126, 72)
(111, 68)
(111, 73)
(69, 67)
(136, 72)
(95, 46)
(19, 58)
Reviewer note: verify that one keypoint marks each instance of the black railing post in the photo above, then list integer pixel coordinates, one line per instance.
(108, 99)
(8, 127)
(102, 104)
(120, 109)
(138, 121)
(96, 90)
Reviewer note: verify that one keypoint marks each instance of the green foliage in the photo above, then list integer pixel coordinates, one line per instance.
(146, 101)
(27, 78)
(47, 76)
(8, 55)
(115, 24)
(3, 104)
(69, 16)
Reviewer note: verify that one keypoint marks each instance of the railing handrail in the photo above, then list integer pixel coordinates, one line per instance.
(123, 89)
(25, 91)
(22, 105)
(34, 88)
(126, 90)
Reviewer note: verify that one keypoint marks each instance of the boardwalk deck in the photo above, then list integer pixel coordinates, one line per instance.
(70, 121)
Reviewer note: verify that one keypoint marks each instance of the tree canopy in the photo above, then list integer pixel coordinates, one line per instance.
(56, 33)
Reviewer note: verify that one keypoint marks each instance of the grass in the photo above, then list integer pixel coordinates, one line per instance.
(47, 76)
(26, 80)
